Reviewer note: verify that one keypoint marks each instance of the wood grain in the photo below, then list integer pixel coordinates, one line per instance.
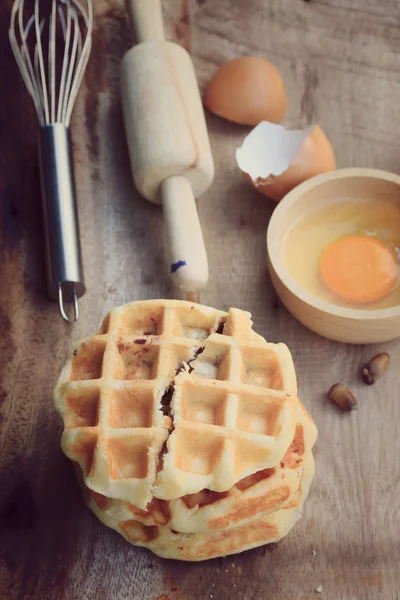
(339, 59)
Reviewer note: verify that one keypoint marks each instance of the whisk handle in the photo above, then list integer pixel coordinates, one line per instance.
(63, 251)
(147, 20)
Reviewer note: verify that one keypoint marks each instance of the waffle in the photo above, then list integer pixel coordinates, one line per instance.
(260, 493)
(232, 413)
(204, 545)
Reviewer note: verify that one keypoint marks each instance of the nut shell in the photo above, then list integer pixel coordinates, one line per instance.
(375, 368)
(342, 397)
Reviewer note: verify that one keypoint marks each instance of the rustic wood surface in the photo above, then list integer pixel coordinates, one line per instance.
(340, 62)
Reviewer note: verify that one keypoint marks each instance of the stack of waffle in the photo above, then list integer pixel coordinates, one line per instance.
(185, 429)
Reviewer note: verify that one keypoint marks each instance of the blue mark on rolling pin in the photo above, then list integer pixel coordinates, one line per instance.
(177, 265)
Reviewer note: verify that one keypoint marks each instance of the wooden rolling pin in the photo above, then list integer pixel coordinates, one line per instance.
(167, 138)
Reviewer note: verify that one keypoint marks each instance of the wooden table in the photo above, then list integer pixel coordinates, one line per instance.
(340, 62)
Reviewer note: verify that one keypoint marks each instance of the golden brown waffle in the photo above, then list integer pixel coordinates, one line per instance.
(260, 493)
(233, 416)
(261, 530)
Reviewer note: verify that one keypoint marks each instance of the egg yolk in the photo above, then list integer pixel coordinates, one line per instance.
(359, 269)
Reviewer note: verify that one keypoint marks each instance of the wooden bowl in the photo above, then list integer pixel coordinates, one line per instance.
(329, 320)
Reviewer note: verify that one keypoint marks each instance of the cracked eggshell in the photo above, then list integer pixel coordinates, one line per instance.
(276, 160)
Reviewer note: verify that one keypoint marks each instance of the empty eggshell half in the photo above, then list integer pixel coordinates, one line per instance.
(275, 160)
(247, 90)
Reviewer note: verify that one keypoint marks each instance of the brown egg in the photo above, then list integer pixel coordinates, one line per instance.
(247, 90)
(314, 156)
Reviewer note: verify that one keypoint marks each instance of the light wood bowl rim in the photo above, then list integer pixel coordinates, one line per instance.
(277, 261)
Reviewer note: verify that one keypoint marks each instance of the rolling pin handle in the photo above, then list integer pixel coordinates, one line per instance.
(146, 16)
(188, 257)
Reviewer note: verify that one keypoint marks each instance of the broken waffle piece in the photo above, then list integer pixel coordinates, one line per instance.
(183, 422)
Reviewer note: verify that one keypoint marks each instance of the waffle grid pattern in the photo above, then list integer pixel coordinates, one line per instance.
(262, 492)
(111, 389)
(231, 415)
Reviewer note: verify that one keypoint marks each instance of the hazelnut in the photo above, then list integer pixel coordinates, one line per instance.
(375, 368)
(342, 397)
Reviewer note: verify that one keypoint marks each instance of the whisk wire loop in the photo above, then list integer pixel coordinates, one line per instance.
(53, 88)
(65, 66)
(42, 72)
(52, 59)
(84, 53)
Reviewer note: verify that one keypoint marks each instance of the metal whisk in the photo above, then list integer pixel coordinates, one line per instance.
(52, 47)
